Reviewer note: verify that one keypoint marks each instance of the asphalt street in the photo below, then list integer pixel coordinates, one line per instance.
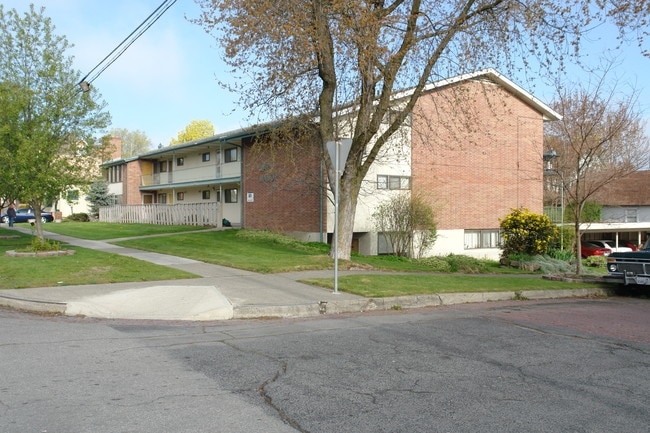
(578, 365)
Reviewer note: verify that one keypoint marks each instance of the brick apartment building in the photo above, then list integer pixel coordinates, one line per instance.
(473, 148)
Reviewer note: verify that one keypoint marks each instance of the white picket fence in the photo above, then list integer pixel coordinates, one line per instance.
(193, 214)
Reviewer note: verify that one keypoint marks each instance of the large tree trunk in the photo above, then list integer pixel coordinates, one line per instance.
(348, 192)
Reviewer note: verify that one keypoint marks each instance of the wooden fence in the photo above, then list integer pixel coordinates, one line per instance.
(192, 214)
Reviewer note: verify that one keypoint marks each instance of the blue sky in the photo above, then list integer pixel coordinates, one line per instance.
(168, 77)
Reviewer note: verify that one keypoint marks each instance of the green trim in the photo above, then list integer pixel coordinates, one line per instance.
(190, 184)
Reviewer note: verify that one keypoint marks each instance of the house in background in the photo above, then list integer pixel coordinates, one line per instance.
(625, 214)
(473, 148)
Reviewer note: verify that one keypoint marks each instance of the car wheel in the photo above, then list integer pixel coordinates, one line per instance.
(43, 220)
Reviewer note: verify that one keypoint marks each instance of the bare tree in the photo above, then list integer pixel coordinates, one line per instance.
(133, 142)
(315, 56)
(600, 139)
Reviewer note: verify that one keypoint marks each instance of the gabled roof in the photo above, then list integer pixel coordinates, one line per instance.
(231, 137)
(493, 76)
(632, 190)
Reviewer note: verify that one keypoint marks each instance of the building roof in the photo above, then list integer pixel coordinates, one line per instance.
(632, 190)
(232, 137)
(491, 75)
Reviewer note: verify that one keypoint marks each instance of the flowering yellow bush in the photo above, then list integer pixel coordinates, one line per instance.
(525, 232)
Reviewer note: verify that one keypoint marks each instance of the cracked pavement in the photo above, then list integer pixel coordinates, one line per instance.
(535, 366)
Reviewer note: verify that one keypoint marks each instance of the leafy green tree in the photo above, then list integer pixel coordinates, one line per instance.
(312, 57)
(408, 223)
(133, 142)
(99, 196)
(46, 144)
(525, 232)
(193, 131)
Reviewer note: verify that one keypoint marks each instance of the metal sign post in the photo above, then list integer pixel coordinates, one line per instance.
(338, 150)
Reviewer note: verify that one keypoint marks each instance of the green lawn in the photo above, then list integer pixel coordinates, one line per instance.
(84, 267)
(251, 250)
(380, 286)
(100, 231)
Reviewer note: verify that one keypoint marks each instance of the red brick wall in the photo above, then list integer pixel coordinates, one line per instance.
(476, 154)
(284, 177)
(131, 178)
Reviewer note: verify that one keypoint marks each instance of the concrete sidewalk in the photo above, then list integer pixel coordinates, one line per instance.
(221, 293)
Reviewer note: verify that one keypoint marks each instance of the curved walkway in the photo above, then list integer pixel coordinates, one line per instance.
(221, 293)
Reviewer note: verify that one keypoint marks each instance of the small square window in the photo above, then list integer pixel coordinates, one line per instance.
(230, 155)
(205, 194)
(382, 182)
(205, 157)
(180, 161)
(394, 182)
(180, 196)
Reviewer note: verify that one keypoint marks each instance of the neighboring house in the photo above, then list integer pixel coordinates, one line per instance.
(625, 215)
(473, 148)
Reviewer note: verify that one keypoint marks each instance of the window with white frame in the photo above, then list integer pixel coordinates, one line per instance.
(180, 196)
(205, 157)
(482, 239)
(180, 161)
(162, 198)
(393, 182)
(205, 194)
(631, 215)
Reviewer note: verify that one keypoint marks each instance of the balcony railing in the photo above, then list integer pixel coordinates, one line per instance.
(180, 175)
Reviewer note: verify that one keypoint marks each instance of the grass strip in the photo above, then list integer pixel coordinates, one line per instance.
(381, 286)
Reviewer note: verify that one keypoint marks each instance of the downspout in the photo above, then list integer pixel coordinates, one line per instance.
(241, 187)
(218, 173)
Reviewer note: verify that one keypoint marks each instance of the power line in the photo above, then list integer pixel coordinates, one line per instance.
(124, 45)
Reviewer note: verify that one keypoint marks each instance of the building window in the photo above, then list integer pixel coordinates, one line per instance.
(162, 167)
(162, 198)
(115, 174)
(230, 195)
(205, 157)
(631, 215)
(180, 196)
(230, 155)
(180, 161)
(393, 182)
(72, 195)
(205, 194)
(482, 239)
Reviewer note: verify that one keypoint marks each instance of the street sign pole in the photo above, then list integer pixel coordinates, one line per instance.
(338, 150)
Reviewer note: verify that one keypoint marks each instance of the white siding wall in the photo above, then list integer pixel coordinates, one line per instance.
(395, 160)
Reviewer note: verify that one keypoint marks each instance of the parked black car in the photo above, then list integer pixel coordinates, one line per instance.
(23, 215)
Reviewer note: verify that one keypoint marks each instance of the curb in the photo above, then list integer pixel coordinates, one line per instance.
(33, 305)
(340, 307)
(405, 302)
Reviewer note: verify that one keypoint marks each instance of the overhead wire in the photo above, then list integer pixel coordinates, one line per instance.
(125, 44)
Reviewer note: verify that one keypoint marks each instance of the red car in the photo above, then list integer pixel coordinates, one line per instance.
(588, 249)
